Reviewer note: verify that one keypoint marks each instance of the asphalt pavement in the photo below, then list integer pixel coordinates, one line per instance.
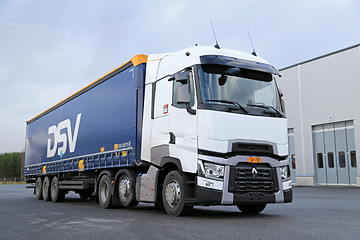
(315, 213)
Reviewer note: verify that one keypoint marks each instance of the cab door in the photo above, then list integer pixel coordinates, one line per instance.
(183, 121)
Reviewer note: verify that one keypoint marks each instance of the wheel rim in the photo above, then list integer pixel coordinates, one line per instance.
(38, 186)
(172, 193)
(104, 191)
(124, 187)
(53, 188)
(46, 186)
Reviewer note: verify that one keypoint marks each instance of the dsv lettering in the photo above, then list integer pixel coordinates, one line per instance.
(61, 137)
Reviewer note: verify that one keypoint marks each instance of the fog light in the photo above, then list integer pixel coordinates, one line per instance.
(209, 184)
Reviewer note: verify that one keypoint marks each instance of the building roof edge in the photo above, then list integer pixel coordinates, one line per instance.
(322, 56)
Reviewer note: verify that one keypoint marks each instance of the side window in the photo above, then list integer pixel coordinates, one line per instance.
(191, 85)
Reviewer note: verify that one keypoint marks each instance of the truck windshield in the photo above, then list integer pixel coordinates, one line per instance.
(243, 88)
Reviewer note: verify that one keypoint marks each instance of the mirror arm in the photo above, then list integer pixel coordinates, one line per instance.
(190, 110)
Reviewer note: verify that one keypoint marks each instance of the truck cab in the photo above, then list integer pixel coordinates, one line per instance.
(214, 132)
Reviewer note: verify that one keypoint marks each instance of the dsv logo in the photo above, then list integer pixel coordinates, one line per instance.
(60, 136)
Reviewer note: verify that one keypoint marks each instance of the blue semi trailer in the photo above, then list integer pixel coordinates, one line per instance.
(201, 126)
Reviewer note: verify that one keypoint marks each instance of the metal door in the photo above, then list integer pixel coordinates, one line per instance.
(292, 154)
(351, 152)
(341, 152)
(330, 156)
(318, 154)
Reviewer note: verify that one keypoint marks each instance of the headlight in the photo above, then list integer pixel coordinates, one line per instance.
(284, 172)
(210, 170)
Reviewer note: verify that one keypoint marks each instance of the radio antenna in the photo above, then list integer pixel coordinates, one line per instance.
(253, 53)
(217, 44)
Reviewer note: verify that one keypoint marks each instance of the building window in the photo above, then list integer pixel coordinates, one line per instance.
(320, 160)
(342, 162)
(353, 159)
(330, 156)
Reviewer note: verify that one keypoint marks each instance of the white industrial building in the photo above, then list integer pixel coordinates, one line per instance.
(322, 97)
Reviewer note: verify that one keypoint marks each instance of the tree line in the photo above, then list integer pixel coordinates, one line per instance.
(12, 166)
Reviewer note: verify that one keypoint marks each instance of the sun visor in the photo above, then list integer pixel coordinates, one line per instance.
(241, 63)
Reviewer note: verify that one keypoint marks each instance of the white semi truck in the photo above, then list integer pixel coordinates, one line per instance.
(201, 126)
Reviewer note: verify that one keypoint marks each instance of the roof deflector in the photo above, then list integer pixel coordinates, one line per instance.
(241, 63)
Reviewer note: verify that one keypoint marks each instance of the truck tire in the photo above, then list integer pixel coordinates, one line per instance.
(38, 188)
(57, 195)
(251, 209)
(46, 189)
(172, 194)
(104, 192)
(126, 189)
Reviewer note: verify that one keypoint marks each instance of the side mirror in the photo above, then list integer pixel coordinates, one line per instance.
(182, 94)
(182, 77)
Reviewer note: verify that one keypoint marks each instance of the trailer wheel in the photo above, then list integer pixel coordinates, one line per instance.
(172, 194)
(46, 189)
(38, 188)
(127, 182)
(251, 209)
(57, 195)
(104, 192)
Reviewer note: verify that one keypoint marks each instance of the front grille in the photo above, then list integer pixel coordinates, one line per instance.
(254, 186)
(246, 173)
(250, 178)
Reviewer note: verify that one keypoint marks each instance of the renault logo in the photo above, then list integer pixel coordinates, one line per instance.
(254, 172)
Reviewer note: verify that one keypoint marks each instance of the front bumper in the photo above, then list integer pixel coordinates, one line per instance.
(206, 196)
(234, 190)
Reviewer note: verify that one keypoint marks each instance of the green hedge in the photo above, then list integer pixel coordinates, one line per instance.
(11, 166)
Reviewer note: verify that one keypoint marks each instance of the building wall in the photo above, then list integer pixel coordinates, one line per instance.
(321, 91)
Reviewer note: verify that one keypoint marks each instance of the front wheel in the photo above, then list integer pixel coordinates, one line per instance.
(251, 209)
(173, 194)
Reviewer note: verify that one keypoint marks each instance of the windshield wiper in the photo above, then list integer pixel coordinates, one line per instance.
(266, 107)
(229, 102)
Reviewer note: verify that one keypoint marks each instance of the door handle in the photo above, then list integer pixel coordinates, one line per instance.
(172, 138)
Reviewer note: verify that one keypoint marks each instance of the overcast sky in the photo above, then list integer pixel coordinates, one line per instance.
(50, 49)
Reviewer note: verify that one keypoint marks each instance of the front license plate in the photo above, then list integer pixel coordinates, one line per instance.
(252, 159)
